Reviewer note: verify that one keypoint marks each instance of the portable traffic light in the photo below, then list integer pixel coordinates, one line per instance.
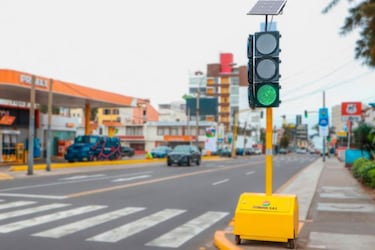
(250, 71)
(266, 94)
(266, 68)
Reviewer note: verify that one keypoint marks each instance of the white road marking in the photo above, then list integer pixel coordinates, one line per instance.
(131, 178)
(251, 172)
(31, 210)
(180, 235)
(87, 223)
(341, 241)
(18, 225)
(137, 226)
(346, 207)
(39, 196)
(79, 177)
(28, 187)
(220, 182)
(16, 204)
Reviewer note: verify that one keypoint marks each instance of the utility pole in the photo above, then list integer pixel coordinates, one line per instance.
(324, 137)
(244, 139)
(197, 116)
(30, 157)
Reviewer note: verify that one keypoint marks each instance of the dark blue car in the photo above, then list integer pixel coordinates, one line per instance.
(160, 152)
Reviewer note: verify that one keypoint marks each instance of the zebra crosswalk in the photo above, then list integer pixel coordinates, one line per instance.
(18, 215)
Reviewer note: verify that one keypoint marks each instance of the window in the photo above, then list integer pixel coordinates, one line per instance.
(106, 111)
(115, 111)
(163, 131)
(174, 131)
(134, 131)
(235, 81)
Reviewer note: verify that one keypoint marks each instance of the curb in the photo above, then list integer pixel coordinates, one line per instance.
(42, 166)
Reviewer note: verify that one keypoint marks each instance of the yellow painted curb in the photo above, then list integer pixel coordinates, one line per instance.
(222, 243)
(93, 163)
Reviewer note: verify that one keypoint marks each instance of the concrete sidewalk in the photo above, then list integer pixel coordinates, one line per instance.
(334, 212)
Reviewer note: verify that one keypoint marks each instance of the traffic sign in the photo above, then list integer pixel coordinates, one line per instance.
(323, 117)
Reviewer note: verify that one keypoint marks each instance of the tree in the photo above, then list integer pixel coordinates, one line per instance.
(363, 137)
(362, 17)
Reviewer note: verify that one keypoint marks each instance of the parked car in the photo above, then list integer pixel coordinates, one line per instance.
(82, 148)
(184, 154)
(239, 151)
(127, 151)
(107, 148)
(301, 150)
(224, 152)
(160, 152)
(283, 151)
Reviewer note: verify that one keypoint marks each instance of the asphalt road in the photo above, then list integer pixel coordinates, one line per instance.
(140, 207)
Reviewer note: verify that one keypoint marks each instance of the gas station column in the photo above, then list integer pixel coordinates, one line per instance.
(87, 118)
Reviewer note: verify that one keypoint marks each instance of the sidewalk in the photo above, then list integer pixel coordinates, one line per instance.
(335, 212)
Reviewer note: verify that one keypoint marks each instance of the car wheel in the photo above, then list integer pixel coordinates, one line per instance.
(189, 161)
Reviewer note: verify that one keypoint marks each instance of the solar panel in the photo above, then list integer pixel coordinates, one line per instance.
(267, 7)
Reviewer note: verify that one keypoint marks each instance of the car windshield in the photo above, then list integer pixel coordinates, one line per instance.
(161, 148)
(86, 139)
(182, 149)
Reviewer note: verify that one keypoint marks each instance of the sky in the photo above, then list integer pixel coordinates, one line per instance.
(148, 48)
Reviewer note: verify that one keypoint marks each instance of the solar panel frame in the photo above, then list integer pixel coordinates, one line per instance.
(267, 7)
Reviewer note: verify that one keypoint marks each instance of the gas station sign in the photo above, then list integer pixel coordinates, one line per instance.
(351, 111)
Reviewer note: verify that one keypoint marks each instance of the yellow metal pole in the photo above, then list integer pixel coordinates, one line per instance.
(87, 119)
(269, 151)
(234, 139)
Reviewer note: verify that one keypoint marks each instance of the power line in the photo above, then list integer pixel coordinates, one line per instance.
(329, 87)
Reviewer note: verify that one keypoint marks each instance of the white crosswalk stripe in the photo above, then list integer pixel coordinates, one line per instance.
(172, 239)
(182, 234)
(87, 223)
(31, 210)
(16, 204)
(137, 226)
(46, 218)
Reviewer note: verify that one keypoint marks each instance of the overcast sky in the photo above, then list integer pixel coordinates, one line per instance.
(148, 48)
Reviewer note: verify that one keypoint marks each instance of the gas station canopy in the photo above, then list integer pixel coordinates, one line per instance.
(15, 85)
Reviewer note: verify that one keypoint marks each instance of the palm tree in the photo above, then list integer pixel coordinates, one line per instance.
(362, 17)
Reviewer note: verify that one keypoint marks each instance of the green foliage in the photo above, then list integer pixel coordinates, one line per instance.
(361, 16)
(362, 137)
(284, 141)
(371, 178)
(364, 171)
(357, 165)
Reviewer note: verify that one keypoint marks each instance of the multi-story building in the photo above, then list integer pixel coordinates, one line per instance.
(229, 83)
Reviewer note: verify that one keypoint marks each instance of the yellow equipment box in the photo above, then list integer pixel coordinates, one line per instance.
(267, 218)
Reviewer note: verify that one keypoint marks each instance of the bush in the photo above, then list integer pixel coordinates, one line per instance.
(357, 165)
(371, 178)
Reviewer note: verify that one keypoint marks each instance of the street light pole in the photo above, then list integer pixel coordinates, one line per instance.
(197, 117)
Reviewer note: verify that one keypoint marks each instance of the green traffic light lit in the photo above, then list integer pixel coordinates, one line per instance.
(266, 95)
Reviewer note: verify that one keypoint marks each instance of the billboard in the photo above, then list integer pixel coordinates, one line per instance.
(207, 106)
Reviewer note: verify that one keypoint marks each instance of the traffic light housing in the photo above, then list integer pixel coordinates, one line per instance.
(250, 71)
(265, 72)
